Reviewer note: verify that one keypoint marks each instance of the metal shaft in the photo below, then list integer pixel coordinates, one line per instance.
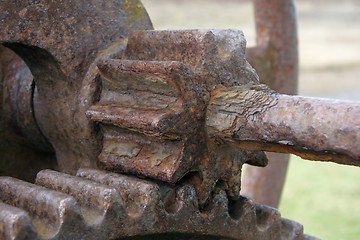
(256, 118)
(275, 59)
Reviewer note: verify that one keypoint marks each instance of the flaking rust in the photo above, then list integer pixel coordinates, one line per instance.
(177, 113)
(312, 128)
(275, 58)
(153, 104)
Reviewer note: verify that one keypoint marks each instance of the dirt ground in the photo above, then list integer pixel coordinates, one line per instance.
(329, 37)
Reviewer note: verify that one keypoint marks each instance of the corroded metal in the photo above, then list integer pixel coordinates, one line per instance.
(140, 104)
(106, 205)
(23, 148)
(15, 223)
(275, 59)
(152, 108)
(257, 118)
(59, 42)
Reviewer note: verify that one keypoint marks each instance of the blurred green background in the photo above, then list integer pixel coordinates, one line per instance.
(324, 197)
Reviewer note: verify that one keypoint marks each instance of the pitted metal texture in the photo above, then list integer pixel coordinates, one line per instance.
(97, 204)
(171, 116)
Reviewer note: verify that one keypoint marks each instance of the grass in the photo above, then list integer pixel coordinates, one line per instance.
(324, 197)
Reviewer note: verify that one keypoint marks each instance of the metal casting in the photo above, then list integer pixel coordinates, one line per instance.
(275, 58)
(147, 130)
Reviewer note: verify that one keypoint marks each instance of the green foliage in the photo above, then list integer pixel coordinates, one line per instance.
(324, 197)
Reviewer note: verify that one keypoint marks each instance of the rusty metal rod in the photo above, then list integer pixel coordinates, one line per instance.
(275, 59)
(256, 118)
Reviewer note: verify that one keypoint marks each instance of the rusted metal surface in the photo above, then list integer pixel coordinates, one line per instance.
(153, 102)
(105, 205)
(257, 118)
(14, 223)
(275, 59)
(266, 184)
(23, 148)
(18, 88)
(64, 58)
(276, 48)
(132, 103)
(59, 43)
(49, 209)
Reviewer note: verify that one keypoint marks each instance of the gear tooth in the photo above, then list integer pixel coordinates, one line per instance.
(256, 158)
(143, 142)
(185, 200)
(127, 186)
(142, 110)
(157, 77)
(144, 96)
(51, 211)
(293, 230)
(267, 217)
(154, 123)
(142, 199)
(15, 223)
(126, 151)
(97, 202)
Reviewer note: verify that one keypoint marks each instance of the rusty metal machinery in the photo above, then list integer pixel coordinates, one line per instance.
(146, 131)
